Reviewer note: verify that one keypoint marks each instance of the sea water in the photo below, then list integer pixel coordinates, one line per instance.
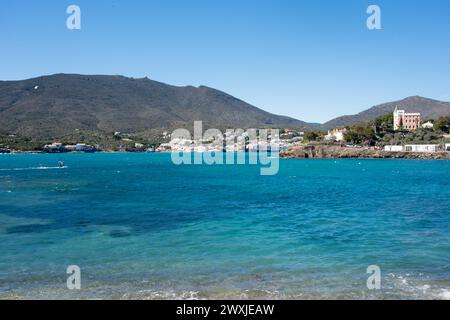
(140, 227)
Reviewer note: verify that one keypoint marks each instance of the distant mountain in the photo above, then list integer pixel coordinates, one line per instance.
(56, 105)
(430, 109)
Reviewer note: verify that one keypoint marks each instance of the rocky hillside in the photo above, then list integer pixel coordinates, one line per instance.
(54, 106)
(429, 108)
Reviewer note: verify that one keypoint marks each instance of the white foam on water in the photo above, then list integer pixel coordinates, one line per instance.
(425, 288)
(445, 294)
(164, 295)
(34, 168)
(411, 286)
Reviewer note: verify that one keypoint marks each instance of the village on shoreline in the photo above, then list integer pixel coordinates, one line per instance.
(395, 135)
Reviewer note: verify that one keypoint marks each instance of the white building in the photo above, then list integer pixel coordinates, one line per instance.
(428, 125)
(336, 134)
(421, 148)
(164, 147)
(70, 147)
(55, 146)
(447, 146)
(393, 148)
(82, 147)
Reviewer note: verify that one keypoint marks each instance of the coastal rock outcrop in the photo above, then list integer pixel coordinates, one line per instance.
(335, 152)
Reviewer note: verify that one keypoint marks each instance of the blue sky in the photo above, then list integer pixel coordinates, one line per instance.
(312, 60)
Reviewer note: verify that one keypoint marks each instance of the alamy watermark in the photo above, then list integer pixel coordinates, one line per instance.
(73, 22)
(374, 280)
(236, 146)
(74, 280)
(374, 20)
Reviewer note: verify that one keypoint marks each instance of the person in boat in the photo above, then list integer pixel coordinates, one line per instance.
(61, 164)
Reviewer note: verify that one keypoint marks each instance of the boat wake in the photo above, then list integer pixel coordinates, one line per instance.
(34, 168)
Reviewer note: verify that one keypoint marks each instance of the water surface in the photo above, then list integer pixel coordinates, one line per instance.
(140, 227)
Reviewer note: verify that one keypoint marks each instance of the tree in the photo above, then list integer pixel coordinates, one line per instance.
(311, 136)
(351, 136)
(443, 124)
(385, 123)
(360, 134)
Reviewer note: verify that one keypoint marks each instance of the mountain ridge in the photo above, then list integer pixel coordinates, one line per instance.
(429, 109)
(52, 106)
(56, 105)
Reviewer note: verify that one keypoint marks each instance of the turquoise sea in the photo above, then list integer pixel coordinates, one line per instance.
(140, 227)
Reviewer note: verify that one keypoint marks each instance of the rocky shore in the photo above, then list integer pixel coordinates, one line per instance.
(335, 152)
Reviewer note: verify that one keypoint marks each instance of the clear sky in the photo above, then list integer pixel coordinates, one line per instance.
(312, 60)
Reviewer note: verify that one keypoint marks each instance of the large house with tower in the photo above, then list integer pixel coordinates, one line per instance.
(406, 121)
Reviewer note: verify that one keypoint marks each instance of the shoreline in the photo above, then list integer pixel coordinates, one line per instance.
(131, 290)
(302, 152)
(337, 152)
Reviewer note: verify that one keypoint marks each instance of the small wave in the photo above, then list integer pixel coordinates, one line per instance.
(445, 294)
(415, 286)
(162, 295)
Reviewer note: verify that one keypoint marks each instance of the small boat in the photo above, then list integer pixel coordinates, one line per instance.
(61, 164)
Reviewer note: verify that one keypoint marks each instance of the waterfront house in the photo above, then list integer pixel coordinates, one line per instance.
(54, 147)
(58, 147)
(336, 134)
(447, 147)
(421, 148)
(79, 147)
(164, 147)
(82, 147)
(393, 148)
(70, 148)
